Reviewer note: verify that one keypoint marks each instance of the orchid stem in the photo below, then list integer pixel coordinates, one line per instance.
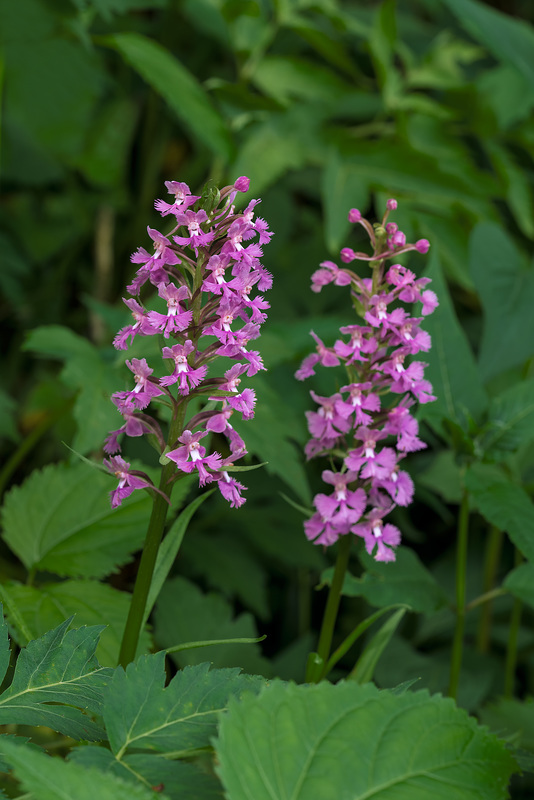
(332, 604)
(156, 525)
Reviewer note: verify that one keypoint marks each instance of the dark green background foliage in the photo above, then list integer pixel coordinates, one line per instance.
(325, 105)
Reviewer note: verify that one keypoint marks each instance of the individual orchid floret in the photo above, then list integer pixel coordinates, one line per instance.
(376, 534)
(183, 372)
(182, 199)
(129, 480)
(177, 317)
(192, 455)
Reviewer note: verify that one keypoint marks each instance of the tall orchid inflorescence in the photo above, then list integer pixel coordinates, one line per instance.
(205, 276)
(366, 428)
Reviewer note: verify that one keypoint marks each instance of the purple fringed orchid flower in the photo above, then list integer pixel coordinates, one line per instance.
(205, 271)
(366, 428)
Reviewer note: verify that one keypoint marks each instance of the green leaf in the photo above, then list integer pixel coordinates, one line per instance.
(48, 778)
(140, 712)
(365, 666)
(509, 39)
(520, 582)
(209, 616)
(451, 364)
(59, 669)
(179, 88)
(60, 520)
(342, 189)
(86, 371)
(506, 289)
(507, 506)
(405, 580)
(511, 418)
(511, 719)
(41, 608)
(179, 779)
(351, 741)
(168, 551)
(287, 77)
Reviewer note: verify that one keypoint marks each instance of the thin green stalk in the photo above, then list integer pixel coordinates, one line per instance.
(461, 571)
(491, 565)
(511, 649)
(149, 555)
(332, 604)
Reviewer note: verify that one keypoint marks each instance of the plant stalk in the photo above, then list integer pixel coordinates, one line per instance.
(461, 572)
(332, 604)
(156, 525)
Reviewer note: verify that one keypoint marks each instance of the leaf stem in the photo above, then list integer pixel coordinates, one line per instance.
(461, 571)
(149, 555)
(332, 606)
(511, 648)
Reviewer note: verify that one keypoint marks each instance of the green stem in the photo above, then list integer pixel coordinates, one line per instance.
(332, 604)
(511, 649)
(149, 555)
(491, 565)
(461, 571)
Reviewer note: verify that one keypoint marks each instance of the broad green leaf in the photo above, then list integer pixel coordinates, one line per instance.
(517, 186)
(406, 580)
(139, 712)
(60, 519)
(179, 88)
(179, 779)
(511, 418)
(48, 778)
(92, 603)
(105, 156)
(354, 742)
(509, 39)
(87, 371)
(506, 289)
(209, 616)
(342, 189)
(55, 676)
(5, 652)
(520, 582)
(507, 506)
(228, 565)
(451, 364)
(168, 551)
(511, 719)
(442, 476)
(364, 669)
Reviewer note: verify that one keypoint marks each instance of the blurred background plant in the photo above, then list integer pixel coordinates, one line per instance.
(325, 105)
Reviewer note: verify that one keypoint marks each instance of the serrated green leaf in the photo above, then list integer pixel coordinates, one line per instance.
(506, 289)
(92, 603)
(60, 520)
(179, 779)
(511, 719)
(520, 582)
(507, 506)
(510, 418)
(5, 652)
(50, 778)
(350, 741)
(180, 89)
(140, 712)
(209, 616)
(451, 364)
(59, 669)
(87, 371)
